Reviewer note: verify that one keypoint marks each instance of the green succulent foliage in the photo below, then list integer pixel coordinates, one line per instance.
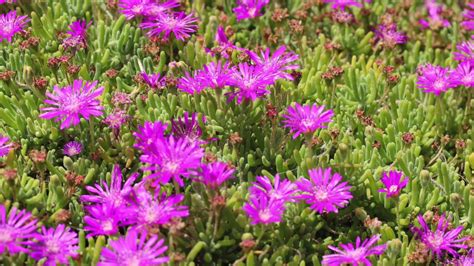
(440, 172)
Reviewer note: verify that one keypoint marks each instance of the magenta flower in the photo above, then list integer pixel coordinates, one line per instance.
(115, 195)
(134, 249)
(216, 75)
(158, 8)
(306, 119)
(156, 210)
(187, 127)
(248, 9)
(214, 174)
(262, 210)
(7, 1)
(435, 79)
(141, 8)
(116, 119)
(10, 24)
(389, 36)
(57, 245)
(101, 219)
(342, 4)
(468, 15)
(463, 75)
(178, 23)
(393, 183)
(466, 260)
(153, 80)
(435, 19)
(465, 52)
(324, 191)
(279, 191)
(251, 83)
(15, 230)
(223, 44)
(72, 148)
(170, 157)
(276, 64)
(355, 255)
(147, 134)
(192, 84)
(72, 101)
(77, 34)
(442, 239)
(4, 145)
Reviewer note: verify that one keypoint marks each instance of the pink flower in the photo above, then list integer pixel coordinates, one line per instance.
(263, 210)
(283, 190)
(465, 52)
(10, 24)
(72, 148)
(214, 174)
(306, 119)
(192, 84)
(393, 183)
(249, 8)
(250, 82)
(147, 134)
(276, 65)
(435, 79)
(355, 255)
(143, 8)
(389, 36)
(468, 14)
(178, 23)
(4, 145)
(77, 34)
(71, 102)
(102, 219)
(435, 19)
(342, 4)
(15, 230)
(324, 191)
(216, 76)
(153, 80)
(187, 127)
(463, 75)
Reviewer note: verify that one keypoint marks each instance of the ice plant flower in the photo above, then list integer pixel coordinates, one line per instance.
(442, 240)
(388, 35)
(262, 210)
(153, 80)
(222, 44)
(465, 52)
(156, 210)
(192, 84)
(72, 148)
(435, 79)
(251, 83)
(114, 195)
(116, 119)
(178, 23)
(148, 133)
(468, 14)
(435, 19)
(135, 248)
(71, 102)
(187, 127)
(342, 4)
(216, 75)
(7, 1)
(278, 64)
(77, 34)
(463, 75)
(283, 190)
(306, 119)
(4, 145)
(57, 245)
(248, 9)
(142, 8)
(214, 174)
(393, 183)
(466, 260)
(324, 191)
(16, 229)
(355, 255)
(172, 158)
(101, 219)
(158, 8)
(10, 24)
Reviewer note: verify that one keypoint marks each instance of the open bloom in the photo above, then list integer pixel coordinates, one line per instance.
(57, 245)
(249, 8)
(223, 45)
(393, 183)
(442, 240)
(147, 134)
(216, 75)
(435, 79)
(192, 84)
(77, 34)
(101, 219)
(468, 15)
(262, 210)
(116, 119)
(4, 145)
(251, 83)
(187, 127)
(72, 148)
(355, 255)
(324, 191)
(143, 8)
(435, 19)
(304, 119)
(277, 64)
(214, 174)
(171, 157)
(114, 195)
(463, 75)
(342, 4)
(15, 230)
(280, 190)
(465, 52)
(389, 36)
(10, 24)
(134, 249)
(71, 102)
(177, 23)
(153, 80)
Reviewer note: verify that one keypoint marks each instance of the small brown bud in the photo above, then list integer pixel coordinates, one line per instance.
(235, 138)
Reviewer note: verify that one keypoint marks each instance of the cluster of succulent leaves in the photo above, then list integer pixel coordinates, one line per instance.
(379, 124)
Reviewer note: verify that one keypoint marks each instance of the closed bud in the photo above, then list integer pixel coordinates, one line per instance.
(361, 214)
(456, 200)
(425, 177)
(394, 247)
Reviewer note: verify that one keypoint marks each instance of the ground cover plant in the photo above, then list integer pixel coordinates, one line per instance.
(247, 132)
